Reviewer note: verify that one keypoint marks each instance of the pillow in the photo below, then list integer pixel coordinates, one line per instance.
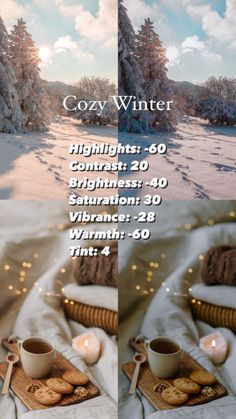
(93, 295)
(219, 266)
(99, 270)
(91, 316)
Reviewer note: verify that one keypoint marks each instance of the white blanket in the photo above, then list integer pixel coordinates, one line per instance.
(220, 295)
(28, 232)
(93, 295)
(169, 314)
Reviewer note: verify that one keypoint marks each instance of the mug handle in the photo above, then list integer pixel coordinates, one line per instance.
(18, 344)
(146, 344)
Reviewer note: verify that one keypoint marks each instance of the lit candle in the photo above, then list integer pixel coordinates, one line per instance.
(88, 346)
(215, 346)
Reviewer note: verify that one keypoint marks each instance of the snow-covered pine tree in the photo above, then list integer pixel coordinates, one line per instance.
(151, 56)
(217, 103)
(11, 117)
(217, 111)
(130, 77)
(99, 89)
(30, 87)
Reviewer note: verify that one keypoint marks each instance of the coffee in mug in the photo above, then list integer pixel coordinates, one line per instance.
(163, 346)
(37, 355)
(37, 347)
(164, 356)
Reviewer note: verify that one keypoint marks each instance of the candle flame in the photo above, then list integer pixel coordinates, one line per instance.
(86, 344)
(213, 343)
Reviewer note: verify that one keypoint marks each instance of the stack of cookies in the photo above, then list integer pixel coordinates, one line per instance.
(72, 382)
(200, 381)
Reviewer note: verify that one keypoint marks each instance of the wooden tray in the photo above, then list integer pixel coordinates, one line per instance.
(147, 380)
(20, 381)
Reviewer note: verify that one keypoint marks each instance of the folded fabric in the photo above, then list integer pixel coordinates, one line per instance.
(214, 315)
(99, 270)
(93, 295)
(214, 305)
(219, 266)
(220, 295)
(90, 316)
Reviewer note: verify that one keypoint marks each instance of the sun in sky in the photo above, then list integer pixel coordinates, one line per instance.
(173, 54)
(45, 53)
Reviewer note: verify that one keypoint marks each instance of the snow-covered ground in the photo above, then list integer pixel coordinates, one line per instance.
(200, 161)
(36, 166)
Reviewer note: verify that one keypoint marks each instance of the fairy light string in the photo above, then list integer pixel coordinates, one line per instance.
(146, 280)
(144, 283)
(150, 277)
(22, 271)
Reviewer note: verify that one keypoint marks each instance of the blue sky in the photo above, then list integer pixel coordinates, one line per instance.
(78, 37)
(200, 35)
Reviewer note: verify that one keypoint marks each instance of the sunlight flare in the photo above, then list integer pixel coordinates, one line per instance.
(173, 54)
(45, 54)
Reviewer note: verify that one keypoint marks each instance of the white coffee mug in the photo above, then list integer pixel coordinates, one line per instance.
(164, 356)
(37, 355)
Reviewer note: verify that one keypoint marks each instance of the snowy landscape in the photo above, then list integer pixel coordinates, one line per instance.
(35, 129)
(36, 165)
(200, 161)
(199, 129)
